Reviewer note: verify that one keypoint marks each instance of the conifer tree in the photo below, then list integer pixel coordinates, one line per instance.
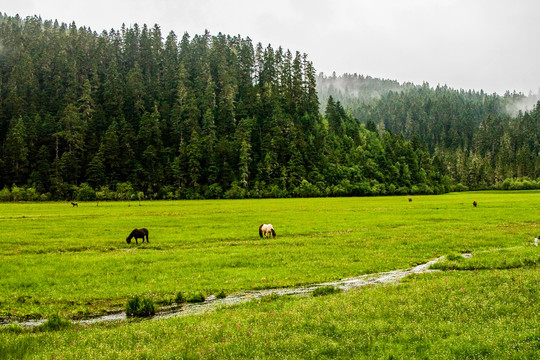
(16, 152)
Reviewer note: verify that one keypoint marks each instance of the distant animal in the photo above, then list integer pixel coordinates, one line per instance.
(410, 199)
(474, 203)
(75, 204)
(138, 234)
(536, 241)
(267, 230)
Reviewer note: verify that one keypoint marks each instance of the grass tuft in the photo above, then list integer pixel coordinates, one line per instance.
(140, 307)
(269, 298)
(221, 295)
(454, 257)
(14, 328)
(180, 298)
(195, 298)
(55, 323)
(326, 290)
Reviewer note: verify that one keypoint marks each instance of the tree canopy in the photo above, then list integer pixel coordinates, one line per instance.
(130, 113)
(479, 140)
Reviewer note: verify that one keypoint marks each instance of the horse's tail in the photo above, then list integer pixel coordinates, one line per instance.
(273, 232)
(260, 231)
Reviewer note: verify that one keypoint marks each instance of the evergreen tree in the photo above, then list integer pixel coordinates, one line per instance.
(16, 152)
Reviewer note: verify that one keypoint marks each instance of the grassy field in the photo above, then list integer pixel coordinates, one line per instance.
(75, 262)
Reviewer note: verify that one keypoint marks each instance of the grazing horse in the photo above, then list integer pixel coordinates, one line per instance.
(267, 230)
(138, 234)
(75, 204)
(474, 203)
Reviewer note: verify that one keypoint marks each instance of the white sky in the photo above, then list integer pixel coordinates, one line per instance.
(471, 44)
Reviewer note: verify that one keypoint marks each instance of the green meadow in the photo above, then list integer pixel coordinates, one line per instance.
(75, 262)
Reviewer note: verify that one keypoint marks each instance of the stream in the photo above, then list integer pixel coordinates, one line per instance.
(212, 302)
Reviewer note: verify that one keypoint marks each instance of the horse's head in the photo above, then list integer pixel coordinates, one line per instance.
(273, 231)
(128, 239)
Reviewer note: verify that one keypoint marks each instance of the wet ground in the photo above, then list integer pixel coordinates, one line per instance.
(212, 302)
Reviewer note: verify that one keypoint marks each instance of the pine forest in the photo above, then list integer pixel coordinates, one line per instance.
(133, 114)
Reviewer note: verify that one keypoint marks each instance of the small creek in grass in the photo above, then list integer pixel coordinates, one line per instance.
(212, 302)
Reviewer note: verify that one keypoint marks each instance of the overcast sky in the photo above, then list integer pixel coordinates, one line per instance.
(471, 44)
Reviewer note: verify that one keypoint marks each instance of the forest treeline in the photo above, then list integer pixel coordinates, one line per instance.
(479, 140)
(129, 114)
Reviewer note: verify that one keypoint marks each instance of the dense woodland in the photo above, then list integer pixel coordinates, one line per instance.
(480, 140)
(129, 113)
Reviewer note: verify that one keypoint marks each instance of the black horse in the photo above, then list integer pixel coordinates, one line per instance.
(138, 234)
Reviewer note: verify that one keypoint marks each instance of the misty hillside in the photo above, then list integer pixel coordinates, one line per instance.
(441, 117)
(481, 139)
(351, 89)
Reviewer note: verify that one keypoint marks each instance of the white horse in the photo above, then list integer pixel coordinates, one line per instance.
(267, 230)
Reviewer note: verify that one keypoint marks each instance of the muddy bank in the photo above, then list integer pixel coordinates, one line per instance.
(212, 302)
